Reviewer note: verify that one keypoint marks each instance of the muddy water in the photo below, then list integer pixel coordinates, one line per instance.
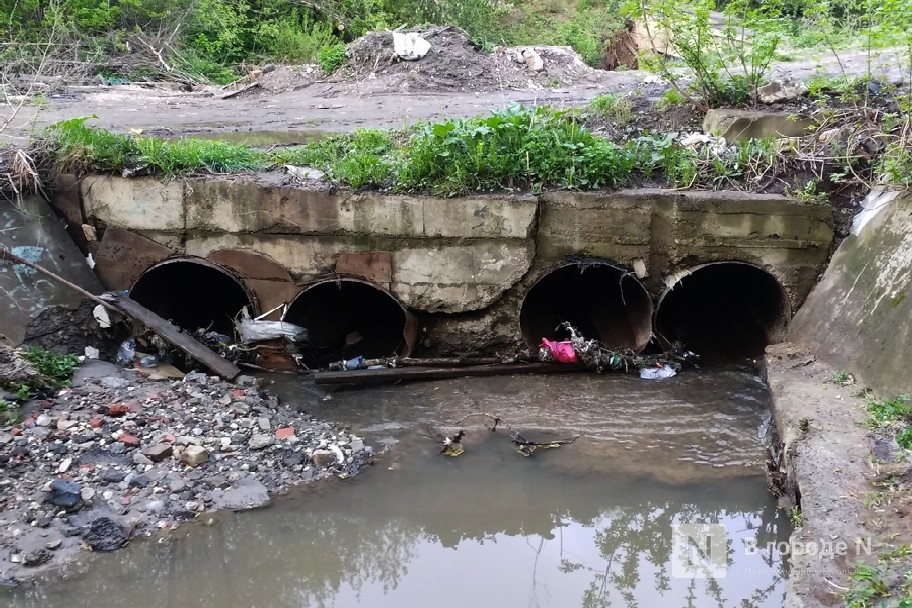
(589, 524)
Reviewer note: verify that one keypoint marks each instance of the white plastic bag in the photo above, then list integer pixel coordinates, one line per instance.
(657, 373)
(410, 46)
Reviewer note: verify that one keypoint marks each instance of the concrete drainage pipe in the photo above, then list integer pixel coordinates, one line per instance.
(601, 300)
(723, 311)
(193, 292)
(348, 317)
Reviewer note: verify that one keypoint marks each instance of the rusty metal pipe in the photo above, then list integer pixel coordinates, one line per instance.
(601, 299)
(723, 310)
(348, 317)
(194, 292)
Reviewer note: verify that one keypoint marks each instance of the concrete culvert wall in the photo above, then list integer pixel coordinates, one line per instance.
(193, 293)
(601, 300)
(723, 311)
(349, 317)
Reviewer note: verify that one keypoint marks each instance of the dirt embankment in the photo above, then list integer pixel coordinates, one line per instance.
(117, 457)
(853, 485)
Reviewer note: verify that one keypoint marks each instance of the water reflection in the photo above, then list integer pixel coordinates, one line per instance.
(589, 525)
(487, 531)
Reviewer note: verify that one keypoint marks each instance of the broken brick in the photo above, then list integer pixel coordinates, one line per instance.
(284, 432)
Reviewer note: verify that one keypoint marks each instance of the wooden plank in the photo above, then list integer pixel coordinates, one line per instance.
(221, 366)
(364, 377)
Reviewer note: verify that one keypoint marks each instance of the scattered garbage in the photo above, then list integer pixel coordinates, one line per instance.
(148, 361)
(526, 448)
(452, 446)
(560, 351)
(410, 46)
(126, 351)
(91, 352)
(657, 373)
(258, 329)
(593, 355)
(101, 315)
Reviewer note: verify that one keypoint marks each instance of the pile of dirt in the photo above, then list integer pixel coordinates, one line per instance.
(455, 63)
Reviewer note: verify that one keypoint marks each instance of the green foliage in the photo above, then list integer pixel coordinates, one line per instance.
(885, 411)
(514, 148)
(871, 587)
(54, 372)
(728, 66)
(904, 438)
(361, 159)
(894, 165)
(78, 147)
(842, 378)
(896, 413)
(9, 413)
(55, 369)
(331, 57)
(613, 106)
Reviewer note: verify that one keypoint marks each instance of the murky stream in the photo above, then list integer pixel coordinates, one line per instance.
(589, 524)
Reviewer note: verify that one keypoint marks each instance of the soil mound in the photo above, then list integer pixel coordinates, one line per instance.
(455, 63)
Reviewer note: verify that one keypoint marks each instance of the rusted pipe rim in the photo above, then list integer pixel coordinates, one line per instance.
(762, 297)
(174, 293)
(602, 299)
(327, 325)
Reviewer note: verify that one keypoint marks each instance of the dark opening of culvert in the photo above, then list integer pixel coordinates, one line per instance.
(602, 301)
(193, 293)
(724, 311)
(347, 318)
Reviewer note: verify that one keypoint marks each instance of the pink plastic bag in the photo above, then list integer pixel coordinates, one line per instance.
(561, 351)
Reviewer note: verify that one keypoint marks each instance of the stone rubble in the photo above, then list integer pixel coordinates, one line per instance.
(115, 457)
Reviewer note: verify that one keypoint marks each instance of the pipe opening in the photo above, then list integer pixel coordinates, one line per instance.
(724, 311)
(347, 318)
(193, 293)
(602, 301)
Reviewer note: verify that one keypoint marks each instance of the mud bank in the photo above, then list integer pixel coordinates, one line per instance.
(118, 457)
(852, 483)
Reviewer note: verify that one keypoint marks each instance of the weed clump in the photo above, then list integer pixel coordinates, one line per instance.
(895, 413)
(76, 147)
(516, 148)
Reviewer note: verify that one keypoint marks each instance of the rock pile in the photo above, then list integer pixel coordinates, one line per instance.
(117, 456)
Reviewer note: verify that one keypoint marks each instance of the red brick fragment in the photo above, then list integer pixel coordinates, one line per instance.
(128, 439)
(118, 409)
(285, 432)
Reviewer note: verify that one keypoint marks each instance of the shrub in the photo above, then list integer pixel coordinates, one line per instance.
(331, 57)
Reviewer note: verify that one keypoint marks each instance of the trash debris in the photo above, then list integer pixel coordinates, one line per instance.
(91, 352)
(126, 352)
(452, 446)
(560, 351)
(533, 60)
(303, 173)
(411, 46)
(595, 356)
(256, 330)
(148, 361)
(526, 448)
(657, 373)
(101, 315)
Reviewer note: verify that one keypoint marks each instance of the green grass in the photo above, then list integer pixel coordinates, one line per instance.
(517, 148)
(895, 413)
(870, 587)
(611, 107)
(76, 147)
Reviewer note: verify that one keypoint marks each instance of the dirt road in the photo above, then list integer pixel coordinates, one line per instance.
(344, 106)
